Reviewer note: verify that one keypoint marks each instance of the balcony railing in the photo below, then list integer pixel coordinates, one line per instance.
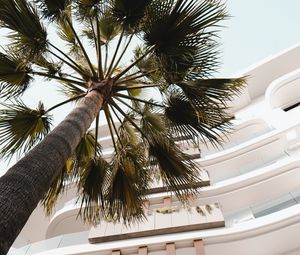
(165, 220)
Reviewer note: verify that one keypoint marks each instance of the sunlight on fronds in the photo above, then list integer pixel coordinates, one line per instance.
(85, 151)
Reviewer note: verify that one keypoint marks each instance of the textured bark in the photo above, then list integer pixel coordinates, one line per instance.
(24, 184)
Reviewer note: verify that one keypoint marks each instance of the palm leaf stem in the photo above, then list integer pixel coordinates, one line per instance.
(99, 54)
(132, 78)
(82, 84)
(94, 37)
(67, 57)
(72, 76)
(107, 115)
(116, 114)
(135, 73)
(65, 102)
(96, 134)
(129, 119)
(75, 68)
(138, 99)
(81, 46)
(119, 88)
(110, 68)
(117, 77)
(139, 82)
(114, 125)
(106, 57)
(122, 54)
(128, 105)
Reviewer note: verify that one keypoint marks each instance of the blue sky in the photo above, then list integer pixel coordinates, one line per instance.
(256, 30)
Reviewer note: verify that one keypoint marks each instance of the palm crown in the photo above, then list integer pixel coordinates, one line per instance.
(173, 50)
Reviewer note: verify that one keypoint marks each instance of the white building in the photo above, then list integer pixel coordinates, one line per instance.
(250, 207)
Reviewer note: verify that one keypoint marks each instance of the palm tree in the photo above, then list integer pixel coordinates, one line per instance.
(174, 51)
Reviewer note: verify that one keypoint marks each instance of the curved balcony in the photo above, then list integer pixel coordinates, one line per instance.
(257, 234)
(284, 91)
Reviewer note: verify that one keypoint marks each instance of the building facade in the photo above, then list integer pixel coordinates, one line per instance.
(250, 204)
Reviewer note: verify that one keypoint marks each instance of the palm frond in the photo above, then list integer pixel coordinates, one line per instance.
(214, 90)
(128, 184)
(48, 65)
(85, 151)
(181, 38)
(109, 27)
(70, 90)
(88, 9)
(28, 34)
(92, 185)
(56, 189)
(53, 9)
(14, 75)
(65, 32)
(206, 121)
(21, 127)
(129, 12)
(176, 169)
(149, 66)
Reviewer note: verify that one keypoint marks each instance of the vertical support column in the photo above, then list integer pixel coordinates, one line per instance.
(116, 252)
(143, 250)
(171, 249)
(146, 206)
(167, 201)
(199, 247)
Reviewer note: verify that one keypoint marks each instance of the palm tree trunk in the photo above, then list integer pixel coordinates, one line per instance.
(24, 184)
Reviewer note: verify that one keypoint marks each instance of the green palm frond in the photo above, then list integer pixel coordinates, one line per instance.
(22, 127)
(176, 169)
(179, 34)
(128, 134)
(14, 75)
(81, 167)
(48, 65)
(86, 151)
(109, 27)
(204, 121)
(149, 66)
(129, 182)
(28, 35)
(71, 90)
(214, 90)
(65, 32)
(53, 9)
(92, 185)
(129, 12)
(57, 188)
(88, 9)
